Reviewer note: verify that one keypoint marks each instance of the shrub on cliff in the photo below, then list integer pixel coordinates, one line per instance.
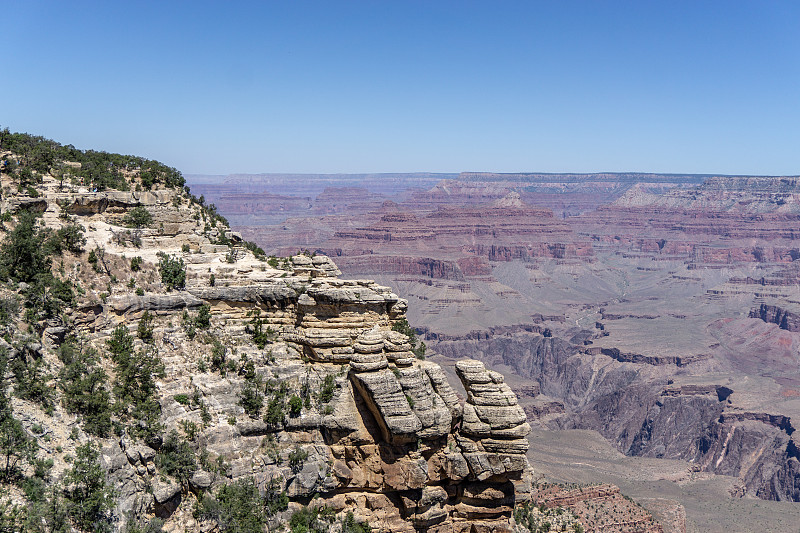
(134, 386)
(238, 507)
(15, 446)
(350, 525)
(417, 347)
(275, 411)
(295, 405)
(120, 343)
(102, 170)
(23, 255)
(90, 500)
(13, 517)
(200, 321)
(173, 271)
(259, 252)
(262, 335)
(69, 237)
(145, 328)
(203, 319)
(135, 390)
(46, 296)
(138, 217)
(84, 384)
(30, 375)
(251, 398)
(297, 458)
(176, 458)
(312, 520)
(143, 525)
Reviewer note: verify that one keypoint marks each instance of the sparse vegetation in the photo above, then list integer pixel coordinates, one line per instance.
(258, 252)
(182, 399)
(176, 458)
(145, 328)
(311, 520)
(417, 347)
(85, 386)
(138, 217)
(173, 272)
(327, 388)
(190, 429)
(238, 507)
(89, 498)
(541, 519)
(262, 335)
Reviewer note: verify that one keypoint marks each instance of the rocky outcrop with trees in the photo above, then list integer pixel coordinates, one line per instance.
(161, 374)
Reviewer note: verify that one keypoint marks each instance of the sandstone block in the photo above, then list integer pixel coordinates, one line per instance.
(384, 395)
(471, 371)
(163, 491)
(405, 474)
(201, 480)
(472, 425)
(131, 303)
(306, 300)
(501, 417)
(488, 494)
(456, 466)
(492, 398)
(479, 388)
(146, 453)
(427, 405)
(442, 387)
(361, 347)
(368, 366)
(521, 430)
(505, 446)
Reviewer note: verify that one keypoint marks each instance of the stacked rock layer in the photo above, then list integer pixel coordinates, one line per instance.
(376, 431)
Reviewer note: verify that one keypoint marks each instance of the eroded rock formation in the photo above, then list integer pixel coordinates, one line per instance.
(394, 444)
(294, 379)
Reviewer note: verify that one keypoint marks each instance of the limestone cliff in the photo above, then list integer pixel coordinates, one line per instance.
(274, 370)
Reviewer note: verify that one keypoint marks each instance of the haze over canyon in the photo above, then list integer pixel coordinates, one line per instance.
(661, 312)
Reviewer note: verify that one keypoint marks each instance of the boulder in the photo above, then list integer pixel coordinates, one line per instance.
(383, 394)
(163, 491)
(201, 480)
(131, 303)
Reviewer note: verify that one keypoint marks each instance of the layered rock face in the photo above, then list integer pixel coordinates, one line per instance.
(722, 221)
(788, 320)
(640, 410)
(505, 230)
(394, 444)
(296, 380)
(627, 296)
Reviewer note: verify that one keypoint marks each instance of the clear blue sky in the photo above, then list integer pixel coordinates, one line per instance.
(380, 86)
